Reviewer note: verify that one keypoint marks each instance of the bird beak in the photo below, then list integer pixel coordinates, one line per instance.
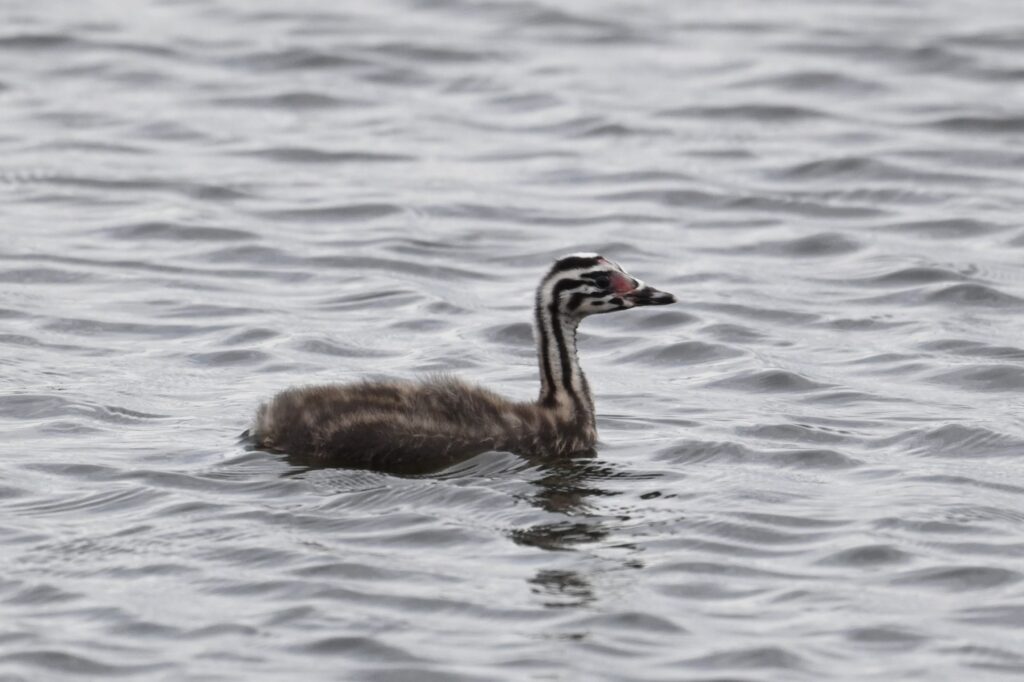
(648, 295)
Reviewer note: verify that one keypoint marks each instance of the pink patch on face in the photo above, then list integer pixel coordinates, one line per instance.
(622, 284)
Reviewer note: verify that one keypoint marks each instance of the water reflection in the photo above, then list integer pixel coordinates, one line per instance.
(562, 589)
(566, 487)
(571, 489)
(560, 535)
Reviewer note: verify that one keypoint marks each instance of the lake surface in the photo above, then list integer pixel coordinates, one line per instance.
(810, 467)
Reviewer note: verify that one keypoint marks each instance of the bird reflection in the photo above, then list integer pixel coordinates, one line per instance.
(563, 488)
(570, 588)
(569, 488)
(566, 487)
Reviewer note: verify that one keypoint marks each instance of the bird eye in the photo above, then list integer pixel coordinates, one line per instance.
(602, 281)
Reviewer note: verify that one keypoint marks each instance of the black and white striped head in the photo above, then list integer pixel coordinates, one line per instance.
(582, 284)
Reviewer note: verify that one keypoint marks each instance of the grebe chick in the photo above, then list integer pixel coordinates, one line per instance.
(422, 426)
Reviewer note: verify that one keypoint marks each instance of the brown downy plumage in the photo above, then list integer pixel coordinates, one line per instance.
(414, 427)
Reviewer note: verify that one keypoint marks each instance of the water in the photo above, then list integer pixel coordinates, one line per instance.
(810, 466)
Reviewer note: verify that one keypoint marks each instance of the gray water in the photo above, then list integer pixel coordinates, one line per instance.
(810, 467)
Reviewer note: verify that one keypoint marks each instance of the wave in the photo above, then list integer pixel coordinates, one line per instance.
(956, 440)
(768, 381)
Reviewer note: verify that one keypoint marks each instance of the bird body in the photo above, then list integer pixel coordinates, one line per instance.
(419, 426)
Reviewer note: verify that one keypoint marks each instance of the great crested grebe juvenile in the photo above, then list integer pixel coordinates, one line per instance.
(413, 426)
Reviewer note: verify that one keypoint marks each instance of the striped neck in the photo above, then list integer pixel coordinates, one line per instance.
(562, 384)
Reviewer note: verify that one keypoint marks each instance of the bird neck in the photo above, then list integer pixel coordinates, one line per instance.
(563, 387)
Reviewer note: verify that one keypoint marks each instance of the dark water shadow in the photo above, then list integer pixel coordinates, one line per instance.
(569, 488)
(564, 486)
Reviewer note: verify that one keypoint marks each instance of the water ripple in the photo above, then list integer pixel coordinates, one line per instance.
(811, 458)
